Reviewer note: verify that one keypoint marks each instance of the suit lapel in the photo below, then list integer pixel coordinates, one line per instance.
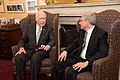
(92, 38)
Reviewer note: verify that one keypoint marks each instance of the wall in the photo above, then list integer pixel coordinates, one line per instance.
(65, 1)
(24, 14)
(15, 14)
(72, 1)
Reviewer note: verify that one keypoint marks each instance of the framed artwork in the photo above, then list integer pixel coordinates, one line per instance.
(1, 6)
(3, 20)
(30, 6)
(14, 8)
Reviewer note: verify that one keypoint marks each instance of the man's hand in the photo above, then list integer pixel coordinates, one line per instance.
(44, 47)
(80, 65)
(20, 51)
(62, 56)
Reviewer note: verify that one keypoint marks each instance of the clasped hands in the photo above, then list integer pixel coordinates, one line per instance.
(42, 47)
(78, 66)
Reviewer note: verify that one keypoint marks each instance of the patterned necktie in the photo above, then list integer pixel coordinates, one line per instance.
(38, 35)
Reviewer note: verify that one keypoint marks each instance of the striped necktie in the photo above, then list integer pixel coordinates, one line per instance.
(38, 34)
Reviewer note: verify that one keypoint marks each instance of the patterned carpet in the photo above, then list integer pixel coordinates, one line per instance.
(41, 77)
(6, 71)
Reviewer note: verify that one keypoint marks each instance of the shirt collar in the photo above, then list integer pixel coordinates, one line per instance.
(38, 26)
(91, 29)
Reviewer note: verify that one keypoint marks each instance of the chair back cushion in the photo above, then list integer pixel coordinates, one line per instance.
(108, 20)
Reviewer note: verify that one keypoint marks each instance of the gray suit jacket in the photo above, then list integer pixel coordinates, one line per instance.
(28, 39)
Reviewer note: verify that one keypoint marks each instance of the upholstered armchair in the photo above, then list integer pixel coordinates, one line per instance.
(107, 68)
(47, 64)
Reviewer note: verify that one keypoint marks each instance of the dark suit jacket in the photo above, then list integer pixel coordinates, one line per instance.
(97, 46)
(28, 39)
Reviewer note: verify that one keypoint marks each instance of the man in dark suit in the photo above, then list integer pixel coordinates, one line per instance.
(34, 45)
(90, 45)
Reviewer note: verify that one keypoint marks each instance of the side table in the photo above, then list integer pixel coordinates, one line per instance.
(9, 36)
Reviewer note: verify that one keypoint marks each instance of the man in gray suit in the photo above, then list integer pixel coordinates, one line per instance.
(91, 44)
(34, 45)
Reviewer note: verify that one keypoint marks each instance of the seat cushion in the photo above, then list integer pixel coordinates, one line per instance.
(85, 76)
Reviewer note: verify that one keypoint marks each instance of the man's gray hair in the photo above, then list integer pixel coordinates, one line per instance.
(91, 17)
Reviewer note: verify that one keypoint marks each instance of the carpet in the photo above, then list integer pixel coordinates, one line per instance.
(41, 77)
(6, 70)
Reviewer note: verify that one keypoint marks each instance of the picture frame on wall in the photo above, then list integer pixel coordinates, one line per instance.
(1, 6)
(30, 6)
(14, 8)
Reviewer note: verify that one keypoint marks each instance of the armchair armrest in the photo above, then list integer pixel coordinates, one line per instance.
(14, 49)
(106, 68)
(98, 68)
